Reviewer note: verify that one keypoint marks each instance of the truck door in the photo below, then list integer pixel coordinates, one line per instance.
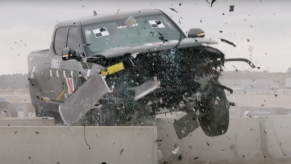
(70, 69)
(57, 66)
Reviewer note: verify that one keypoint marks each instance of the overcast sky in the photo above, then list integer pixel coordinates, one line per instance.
(28, 25)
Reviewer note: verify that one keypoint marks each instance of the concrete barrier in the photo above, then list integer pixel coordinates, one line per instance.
(35, 121)
(256, 111)
(248, 140)
(84, 145)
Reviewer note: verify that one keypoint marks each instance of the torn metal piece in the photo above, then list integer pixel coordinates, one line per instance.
(228, 42)
(241, 59)
(145, 88)
(185, 125)
(84, 99)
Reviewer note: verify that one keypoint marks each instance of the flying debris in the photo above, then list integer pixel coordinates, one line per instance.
(220, 31)
(248, 40)
(180, 4)
(241, 59)
(235, 68)
(94, 13)
(117, 14)
(212, 2)
(226, 41)
(231, 8)
(174, 10)
(180, 157)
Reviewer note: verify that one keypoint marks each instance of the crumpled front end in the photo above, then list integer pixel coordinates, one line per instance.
(140, 85)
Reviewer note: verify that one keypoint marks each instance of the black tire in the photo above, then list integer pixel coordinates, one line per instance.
(215, 113)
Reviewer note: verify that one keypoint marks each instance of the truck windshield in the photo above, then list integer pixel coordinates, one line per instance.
(150, 29)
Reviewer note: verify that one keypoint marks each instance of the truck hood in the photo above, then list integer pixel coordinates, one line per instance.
(152, 47)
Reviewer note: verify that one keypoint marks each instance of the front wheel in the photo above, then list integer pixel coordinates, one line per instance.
(215, 108)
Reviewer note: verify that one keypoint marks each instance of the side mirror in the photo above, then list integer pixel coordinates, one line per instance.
(196, 33)
(69, 53)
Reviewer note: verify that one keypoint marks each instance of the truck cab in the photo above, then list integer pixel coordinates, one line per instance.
(56, 79)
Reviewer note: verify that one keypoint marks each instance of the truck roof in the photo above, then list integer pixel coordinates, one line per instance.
(107, 17)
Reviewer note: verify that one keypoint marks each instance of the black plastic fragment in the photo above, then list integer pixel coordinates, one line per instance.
(212, 2)
(231, 8)
(228, 42)
(174, 10)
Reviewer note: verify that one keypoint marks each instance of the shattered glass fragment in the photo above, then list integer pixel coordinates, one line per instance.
(130, 21)
(175, 151)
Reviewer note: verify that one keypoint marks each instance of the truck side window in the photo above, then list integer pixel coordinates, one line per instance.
(60, 40)
(73, 39)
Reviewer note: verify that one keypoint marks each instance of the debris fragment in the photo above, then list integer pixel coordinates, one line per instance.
(121, 151)
(265, 132)
(226, 41)
(235, 68)
(117, 14)
(207, 143)
(231, 8)
(176, 150)
(86, 139)
(195, 158)
(180, 4)
(212, 2)
(36, 132)
(174, 10)
(262, 105)
(160, 155)
(94, 13)
(130, 21)
(248, 40)
(276, 95)
(180, 157)
(220, 31)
